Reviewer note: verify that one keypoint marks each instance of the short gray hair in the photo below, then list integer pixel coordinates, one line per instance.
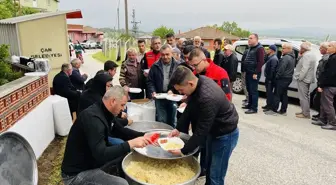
(287, 45)
(324, 45)
(306, 46)
(131, 50)
(182, 39)
(116, 92)
(197, 38)
(75, 61)
(65, 67)
(166, 46)
(155, 38)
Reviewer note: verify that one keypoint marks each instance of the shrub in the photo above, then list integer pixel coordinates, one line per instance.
(6, 72)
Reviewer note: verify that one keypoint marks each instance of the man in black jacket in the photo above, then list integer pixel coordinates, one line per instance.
(213, 118)
(88, 150)
(76, 78)
(219, 55)
(63, 87)
(158, 82)
(198, 44)
(327, 87)
(269, 72)
(231, 63)
(283, 77)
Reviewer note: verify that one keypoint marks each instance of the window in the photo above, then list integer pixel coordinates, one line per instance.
(241, 49)
(206, 43)
(49, 2)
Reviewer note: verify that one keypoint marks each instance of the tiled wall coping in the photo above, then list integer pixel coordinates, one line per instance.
(16, 84)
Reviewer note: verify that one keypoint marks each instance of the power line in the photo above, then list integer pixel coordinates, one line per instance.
(135, 23)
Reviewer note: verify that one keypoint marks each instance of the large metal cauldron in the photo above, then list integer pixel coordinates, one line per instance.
(145, 126)
(17, 161)
(135, 156)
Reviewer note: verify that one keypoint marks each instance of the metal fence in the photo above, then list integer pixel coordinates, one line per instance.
(113, 48)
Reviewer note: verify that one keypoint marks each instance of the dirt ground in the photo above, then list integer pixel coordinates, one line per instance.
(49, 163)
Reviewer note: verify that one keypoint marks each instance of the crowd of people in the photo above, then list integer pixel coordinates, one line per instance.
(99, 137)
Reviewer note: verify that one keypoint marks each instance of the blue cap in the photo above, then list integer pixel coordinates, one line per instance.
(273, 47)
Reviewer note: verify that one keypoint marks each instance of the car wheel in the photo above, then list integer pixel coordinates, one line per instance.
(237, 85)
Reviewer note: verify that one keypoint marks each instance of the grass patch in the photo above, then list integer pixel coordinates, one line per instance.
(112, 55)
(49, 164)
(55, 176)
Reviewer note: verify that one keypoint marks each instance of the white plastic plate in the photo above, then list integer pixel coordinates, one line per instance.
(135, 90)
(174, 97)
(161, 96)
(176, 140)
(146, 71)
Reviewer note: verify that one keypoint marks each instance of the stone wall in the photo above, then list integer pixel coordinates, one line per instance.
(19, 97)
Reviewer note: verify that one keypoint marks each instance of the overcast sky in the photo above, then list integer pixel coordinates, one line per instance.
(189, 14)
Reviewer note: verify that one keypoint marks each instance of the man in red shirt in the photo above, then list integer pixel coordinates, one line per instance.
(205, 66)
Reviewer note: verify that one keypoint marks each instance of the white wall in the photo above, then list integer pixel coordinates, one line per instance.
(37, 127)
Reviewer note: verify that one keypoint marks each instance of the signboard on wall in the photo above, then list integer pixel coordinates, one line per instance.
(47, 53)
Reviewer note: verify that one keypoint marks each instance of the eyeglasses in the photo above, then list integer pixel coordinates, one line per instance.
(195, 65)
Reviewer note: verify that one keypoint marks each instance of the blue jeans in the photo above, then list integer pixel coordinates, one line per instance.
(252, 88)
(115, 141)
(166, 112)
(219, 150)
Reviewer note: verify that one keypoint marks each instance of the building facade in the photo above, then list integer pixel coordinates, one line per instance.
(208, 35)
(82, 33)
(42, 5)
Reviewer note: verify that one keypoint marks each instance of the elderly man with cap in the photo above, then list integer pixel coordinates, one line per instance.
(231, 63)
(270, 71)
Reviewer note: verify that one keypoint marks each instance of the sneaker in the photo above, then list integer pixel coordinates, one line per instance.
(250, 111)
(270, 112)
(282, 113)
(265, 110)
(316, 116)
(265, 107)
(298, 113)
(319, 123)
(329, 127)
(302, 116)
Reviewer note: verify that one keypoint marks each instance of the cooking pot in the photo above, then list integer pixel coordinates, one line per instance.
(145, 126)
(135, 157)
(17, 160)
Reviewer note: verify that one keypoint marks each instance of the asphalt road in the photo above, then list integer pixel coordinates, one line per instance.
(274, 150)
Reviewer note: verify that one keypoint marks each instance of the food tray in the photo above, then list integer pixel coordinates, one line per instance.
(157, 152)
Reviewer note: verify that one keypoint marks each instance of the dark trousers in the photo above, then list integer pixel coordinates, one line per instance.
(317, 101)
(165, 112)
(281, 95)
(327, 105)
(252, 88)
(270, 89)
(135, 96)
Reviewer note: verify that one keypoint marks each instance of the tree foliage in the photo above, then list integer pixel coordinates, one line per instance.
(6, 72)
(232, 28)
(162, 31)
(10, 8)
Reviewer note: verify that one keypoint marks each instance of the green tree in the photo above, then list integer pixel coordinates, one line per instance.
(232, 28)
(10, 8)
(162, 31)
(6, 72)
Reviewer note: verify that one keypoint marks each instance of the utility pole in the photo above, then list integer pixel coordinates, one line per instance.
(126, 17)
(135, 24)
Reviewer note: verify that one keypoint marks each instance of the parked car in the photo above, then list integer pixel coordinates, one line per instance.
(241, 45)
(89, 44)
